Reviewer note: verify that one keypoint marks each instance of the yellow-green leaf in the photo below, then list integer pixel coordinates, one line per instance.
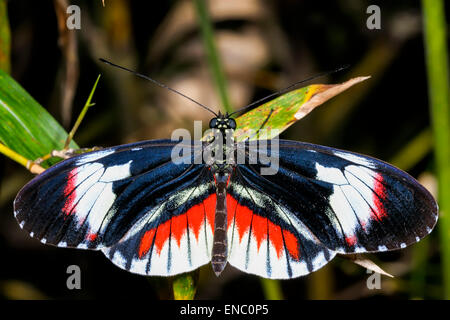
(285, 110)
(185, 285)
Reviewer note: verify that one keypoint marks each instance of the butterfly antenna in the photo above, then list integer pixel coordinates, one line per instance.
(290, 87)
(158, 83)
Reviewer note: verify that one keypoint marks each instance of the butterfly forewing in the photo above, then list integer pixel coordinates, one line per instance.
(352, 203)
(90, 201)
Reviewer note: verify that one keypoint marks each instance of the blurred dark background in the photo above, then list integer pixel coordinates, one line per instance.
(264, 46)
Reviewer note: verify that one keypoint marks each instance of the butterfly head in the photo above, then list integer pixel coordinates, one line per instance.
(222, 122)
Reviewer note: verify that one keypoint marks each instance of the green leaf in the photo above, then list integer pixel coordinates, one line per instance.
(25, 126)
(279, 114)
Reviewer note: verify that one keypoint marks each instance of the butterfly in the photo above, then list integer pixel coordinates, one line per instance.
(152, 215)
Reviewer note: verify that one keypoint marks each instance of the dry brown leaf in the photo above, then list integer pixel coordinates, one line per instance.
(366, 263)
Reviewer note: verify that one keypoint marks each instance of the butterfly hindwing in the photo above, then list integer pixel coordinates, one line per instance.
(174, 237)
(267, 239)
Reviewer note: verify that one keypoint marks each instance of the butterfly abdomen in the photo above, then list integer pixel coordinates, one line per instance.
(220, 241)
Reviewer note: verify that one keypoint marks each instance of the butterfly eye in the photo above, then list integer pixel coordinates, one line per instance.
(213, 123)
(232, 123)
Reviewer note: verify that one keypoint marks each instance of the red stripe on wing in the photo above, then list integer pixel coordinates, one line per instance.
(276, 238)
(91, 237)
(259, 229)
(351, 240)
(262, 228)
(291, 242)
(70, 193)
(378, 197)
(179, 225)
(162, 235)
(176, 226)
(146, 242)
(241, 215)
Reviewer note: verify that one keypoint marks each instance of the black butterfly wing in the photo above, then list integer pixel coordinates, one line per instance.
(111, 199)
(321, 201)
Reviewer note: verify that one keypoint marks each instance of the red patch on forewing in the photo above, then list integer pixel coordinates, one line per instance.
(262, 228)
(351, 240)
(379, 195)
(177, 226)
(70, 193)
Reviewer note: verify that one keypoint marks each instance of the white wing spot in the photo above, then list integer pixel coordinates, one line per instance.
(382, 248)
(330, 175)
(89, 157)
(417, 239)
(402, 245)
(355, 159)
(118, 172)
(343, 211)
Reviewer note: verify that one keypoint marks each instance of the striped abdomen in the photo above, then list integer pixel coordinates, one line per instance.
(220, 242)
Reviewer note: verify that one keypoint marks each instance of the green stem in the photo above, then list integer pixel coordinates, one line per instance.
(439, 99)
(13, 155)
(212, 53)
(80, 118)
(272, 289)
